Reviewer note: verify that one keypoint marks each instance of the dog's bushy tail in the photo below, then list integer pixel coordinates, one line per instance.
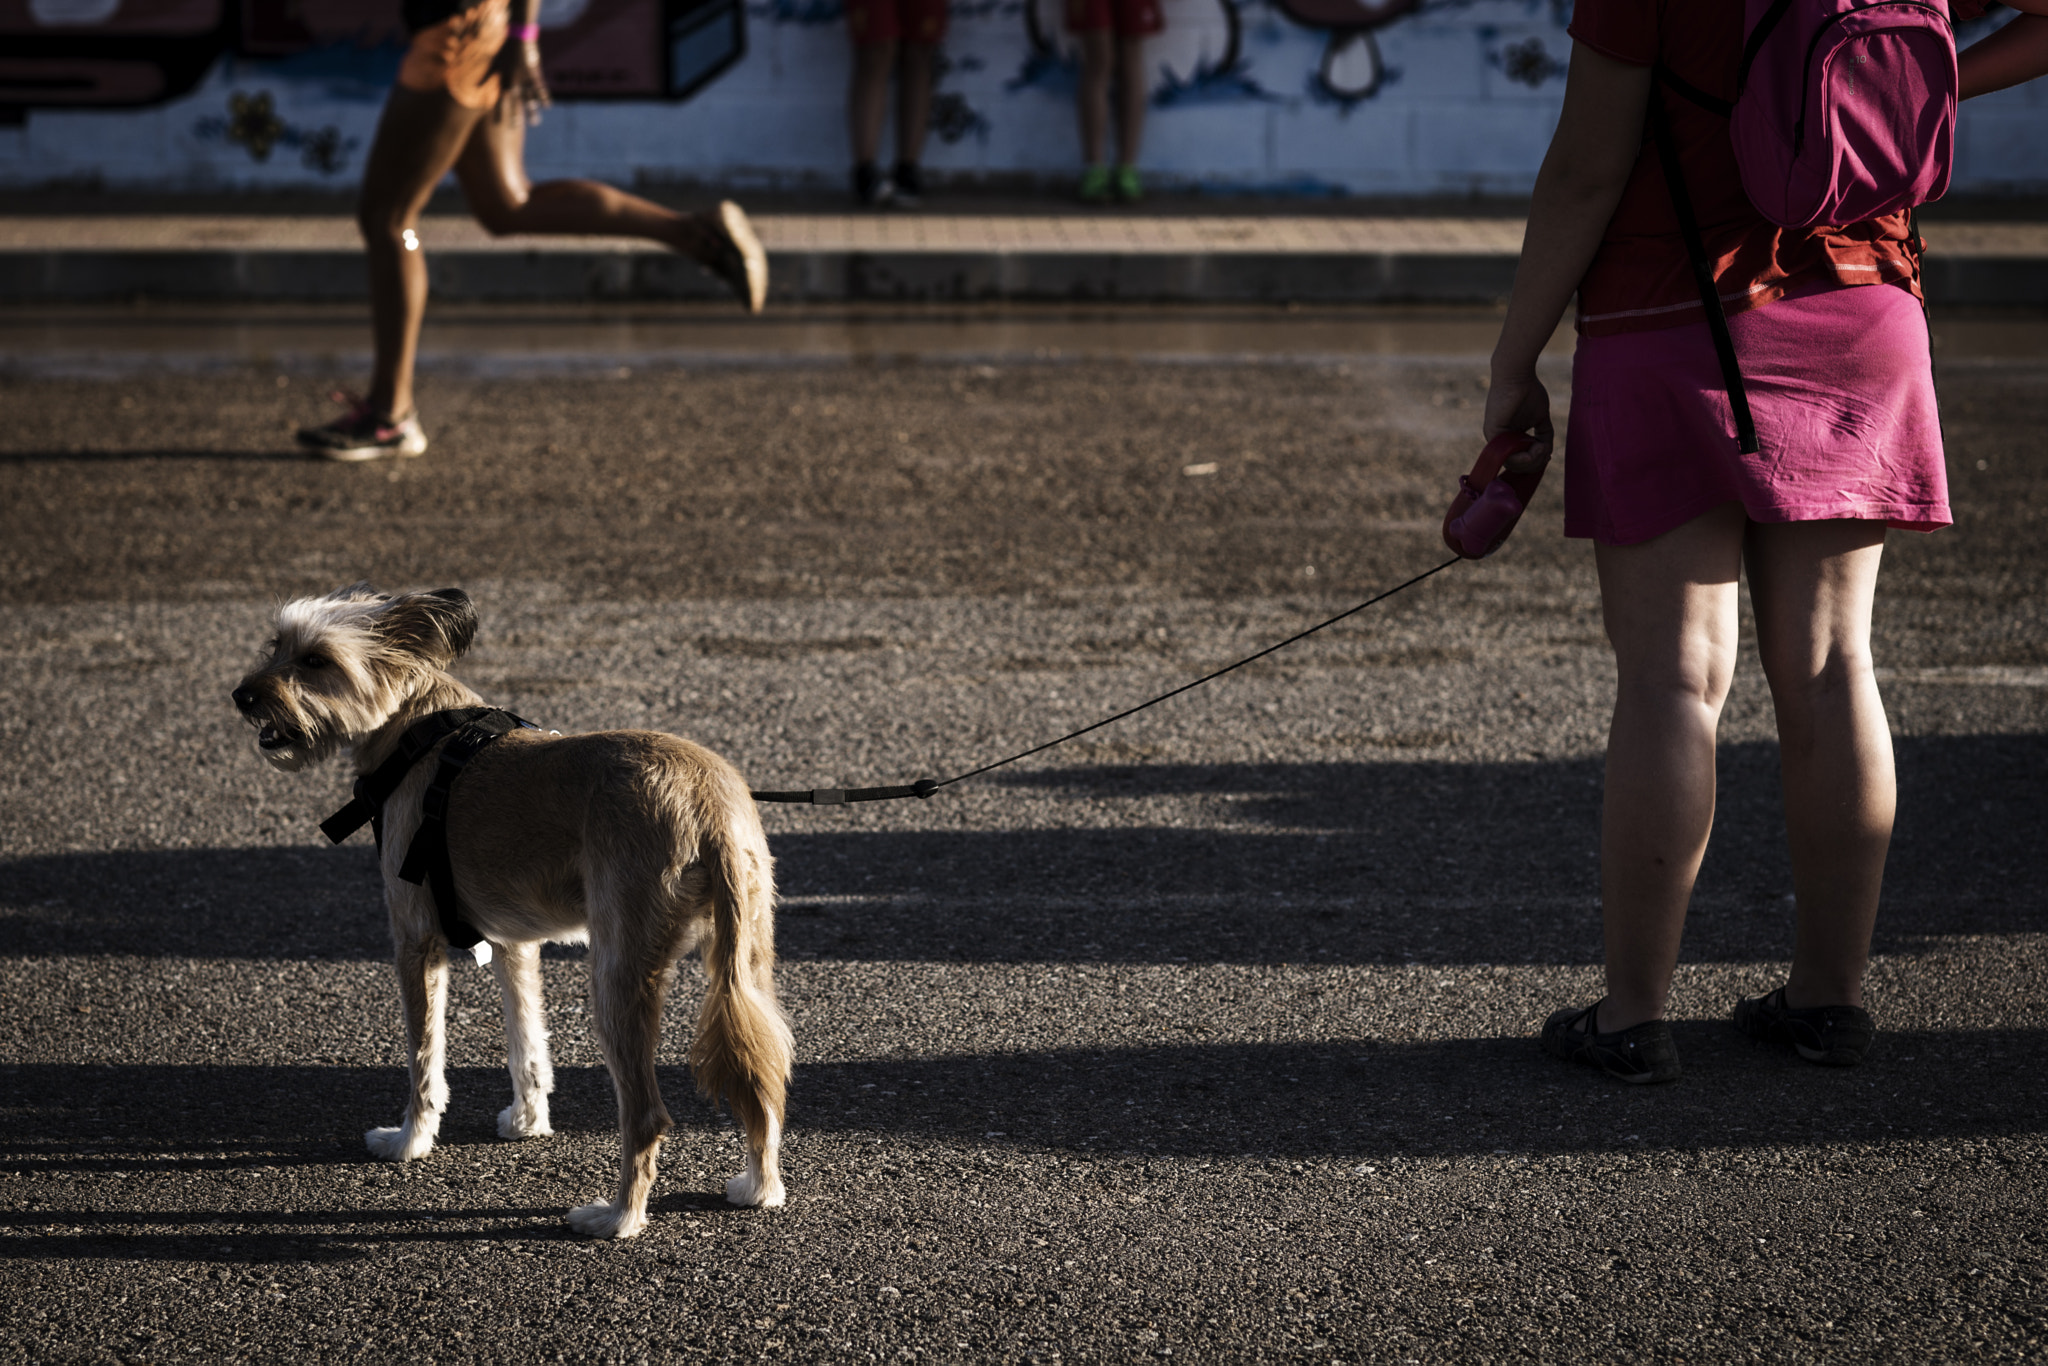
(743, 1050)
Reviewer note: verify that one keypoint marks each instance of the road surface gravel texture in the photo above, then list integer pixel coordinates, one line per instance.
(1209, 1037)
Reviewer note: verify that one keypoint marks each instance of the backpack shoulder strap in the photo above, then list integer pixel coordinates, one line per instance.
(1702, 269)
(1754, 43)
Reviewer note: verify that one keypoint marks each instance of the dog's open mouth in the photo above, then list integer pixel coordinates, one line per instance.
(270, 735)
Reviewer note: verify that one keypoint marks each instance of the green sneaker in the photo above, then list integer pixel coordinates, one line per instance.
(1128, 188)
(1095, 185)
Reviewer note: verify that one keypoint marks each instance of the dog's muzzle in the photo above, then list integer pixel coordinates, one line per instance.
(269, 734)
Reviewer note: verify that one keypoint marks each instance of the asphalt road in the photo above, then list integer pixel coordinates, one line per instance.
(1209, 1036)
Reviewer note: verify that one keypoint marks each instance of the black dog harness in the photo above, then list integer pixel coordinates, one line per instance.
(466, 730)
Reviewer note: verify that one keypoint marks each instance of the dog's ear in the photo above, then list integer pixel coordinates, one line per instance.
(439, 625)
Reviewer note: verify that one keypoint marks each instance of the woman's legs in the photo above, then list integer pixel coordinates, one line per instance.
(1811, 584)
(418, 139)
(1670, 610)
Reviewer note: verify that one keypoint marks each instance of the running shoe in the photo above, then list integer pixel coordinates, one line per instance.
(908, 180)
(363, 433)
(1833, 1036)
(734, 254)
(1095, 187)
(1639, 1054)
(1128, 187)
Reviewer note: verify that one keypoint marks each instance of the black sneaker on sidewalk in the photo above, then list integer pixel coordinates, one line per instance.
(1637, 1055)
(872, 189)
(908, 181)
(1833, 1036)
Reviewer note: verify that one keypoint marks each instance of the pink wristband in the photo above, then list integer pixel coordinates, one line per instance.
(527, 33)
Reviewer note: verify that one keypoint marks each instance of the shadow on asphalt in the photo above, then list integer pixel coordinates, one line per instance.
(129, 455)
(1345, 1100)
(1364, 863)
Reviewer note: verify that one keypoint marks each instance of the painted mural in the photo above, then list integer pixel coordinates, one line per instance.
(1290, 96)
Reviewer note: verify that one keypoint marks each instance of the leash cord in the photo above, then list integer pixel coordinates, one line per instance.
(925, 787)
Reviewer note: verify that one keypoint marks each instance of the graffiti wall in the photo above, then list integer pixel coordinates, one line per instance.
(1301, 96)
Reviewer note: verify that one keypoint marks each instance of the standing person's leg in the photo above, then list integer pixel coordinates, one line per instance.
(1098, 59)
(1132, 95)
(492, 172)
(916, 74)
(1669, 605)
(867, 94)
(1812, 585)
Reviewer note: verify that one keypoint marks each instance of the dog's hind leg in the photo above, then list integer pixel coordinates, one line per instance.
(626, 999)
(517, 967)
(423, 992)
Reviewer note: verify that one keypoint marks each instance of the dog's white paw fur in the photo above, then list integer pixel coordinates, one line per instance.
(750, 1191)
(401, 1144)
(607, 1221)
(527, 1122)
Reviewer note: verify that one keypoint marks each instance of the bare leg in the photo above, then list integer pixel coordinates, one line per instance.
(423, 994)
(1670, 610)
(492, 172)
(914, 81)
(1132, 94)
(1812, 584)
(418, 139)
(867, 98)
(1097, 55)
(517, 968)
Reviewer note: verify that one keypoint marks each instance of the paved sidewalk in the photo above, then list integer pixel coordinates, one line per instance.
(839, 256)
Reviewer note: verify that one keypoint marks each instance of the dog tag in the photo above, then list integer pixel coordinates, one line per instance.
(481, 951)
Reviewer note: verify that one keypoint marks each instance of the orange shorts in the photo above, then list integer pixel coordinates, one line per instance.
(892, 21)
(455, 55)
(1127, 18)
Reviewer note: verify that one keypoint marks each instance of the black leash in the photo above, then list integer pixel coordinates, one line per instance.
(925, 787)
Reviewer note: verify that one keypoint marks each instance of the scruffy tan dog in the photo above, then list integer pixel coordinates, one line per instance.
(643, 845)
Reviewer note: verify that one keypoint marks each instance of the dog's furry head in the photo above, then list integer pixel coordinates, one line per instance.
(343, 665)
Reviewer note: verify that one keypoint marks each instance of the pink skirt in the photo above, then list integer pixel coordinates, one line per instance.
(1842, 391)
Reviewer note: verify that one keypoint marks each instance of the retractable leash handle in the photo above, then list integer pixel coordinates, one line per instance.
(1490, 499)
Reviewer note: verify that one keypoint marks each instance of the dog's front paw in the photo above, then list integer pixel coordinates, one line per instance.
(515, 1121)
(401, 1144)
(607, 1221)
(751, 1191)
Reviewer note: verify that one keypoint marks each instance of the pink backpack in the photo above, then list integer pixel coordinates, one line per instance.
(1844, 109)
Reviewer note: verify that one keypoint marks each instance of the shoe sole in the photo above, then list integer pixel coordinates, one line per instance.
(753, 257)
(356, 455)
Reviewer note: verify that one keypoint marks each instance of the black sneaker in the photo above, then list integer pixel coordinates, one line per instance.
(1833, 1036)
(872, 189)
(908, 181)
(1641, 1053)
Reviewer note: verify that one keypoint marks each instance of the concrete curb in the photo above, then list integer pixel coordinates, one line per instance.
(826, 259)
(54, 277)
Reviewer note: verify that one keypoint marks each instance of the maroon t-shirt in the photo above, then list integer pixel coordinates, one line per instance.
(1641, 277)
